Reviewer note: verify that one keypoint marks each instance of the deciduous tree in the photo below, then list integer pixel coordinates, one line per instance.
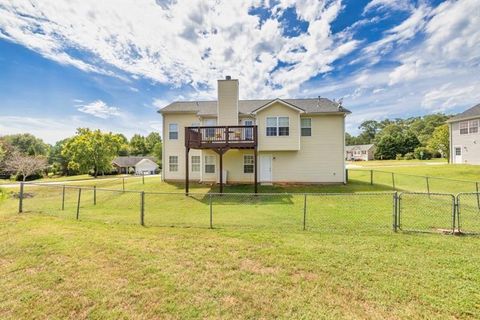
(91, 151)
(440, 141)
(24, 165)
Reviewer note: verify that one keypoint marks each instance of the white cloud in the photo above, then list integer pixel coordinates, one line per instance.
(400, 5)
(99, 109)
(190, 42)
(451, 95)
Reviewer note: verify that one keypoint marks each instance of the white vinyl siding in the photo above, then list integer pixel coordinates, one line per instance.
(248, 163)
(195, 163)
(209, 164)
(173, 131)
(173, 163)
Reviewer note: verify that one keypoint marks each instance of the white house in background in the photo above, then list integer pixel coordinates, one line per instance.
(140, 165)
(362, 152)
(465, 136)
(292, 140)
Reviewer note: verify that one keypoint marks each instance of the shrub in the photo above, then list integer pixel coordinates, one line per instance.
(399, 156)
(409, 156)
(422, 153)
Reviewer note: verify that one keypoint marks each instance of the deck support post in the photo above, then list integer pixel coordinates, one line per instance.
(255, 169)
(187, 149)
(221, 170)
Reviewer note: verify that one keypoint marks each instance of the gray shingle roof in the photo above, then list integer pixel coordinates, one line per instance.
(315, 105)
(130, 161)
(359, 147)
(467, 114)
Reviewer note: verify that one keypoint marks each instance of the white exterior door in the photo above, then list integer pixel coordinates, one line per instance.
(265, 168)
(457, 154)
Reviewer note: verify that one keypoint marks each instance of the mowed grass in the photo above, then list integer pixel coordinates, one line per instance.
(257, 262)
(442, 178)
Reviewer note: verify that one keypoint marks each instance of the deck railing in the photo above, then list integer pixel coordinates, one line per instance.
(221, 136)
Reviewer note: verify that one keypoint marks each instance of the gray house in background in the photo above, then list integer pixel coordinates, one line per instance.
(140, 165)
(362, 152)
(465, 137)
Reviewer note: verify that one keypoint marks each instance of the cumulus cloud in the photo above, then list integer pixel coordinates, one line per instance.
(179, 43)
(99, 109)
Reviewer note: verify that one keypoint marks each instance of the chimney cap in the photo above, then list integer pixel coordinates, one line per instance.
(228, 78)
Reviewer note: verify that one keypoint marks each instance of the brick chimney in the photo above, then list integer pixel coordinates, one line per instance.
(227, 105)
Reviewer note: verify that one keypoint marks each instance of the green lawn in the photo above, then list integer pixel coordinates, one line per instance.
(257, 262)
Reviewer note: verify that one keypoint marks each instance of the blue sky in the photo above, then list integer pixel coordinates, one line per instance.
(112, 64)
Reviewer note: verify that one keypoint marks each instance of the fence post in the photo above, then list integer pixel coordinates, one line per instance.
(94, 195)
(399, 210)
(211, 211)
(395, 211)
(478, 197)
(428, 186)
(78, 202)
(63, 198)
(123, 184)
(393, 181)
(456, 212)
(371, 177)
(142, 208)
(305, 212)
(20, 199)
(143, 178)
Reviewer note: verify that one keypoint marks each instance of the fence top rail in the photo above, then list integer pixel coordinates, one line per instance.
(414, 175)
(427, 193)
(277, 194)
(468, 194)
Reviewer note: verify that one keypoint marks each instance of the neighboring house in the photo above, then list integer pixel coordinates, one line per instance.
(140, 165)
(362, 152)
(465, 137)
(245, 141)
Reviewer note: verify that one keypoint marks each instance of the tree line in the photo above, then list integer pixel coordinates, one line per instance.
(25, 156)
(415, 137)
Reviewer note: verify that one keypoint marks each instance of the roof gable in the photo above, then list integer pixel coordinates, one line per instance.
(473, 112)
(272, 102)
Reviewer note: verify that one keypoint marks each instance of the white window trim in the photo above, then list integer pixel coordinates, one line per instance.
(170, 124)
(250, 164)
(278, 126)
(170, 164)
(467, 125)
(199, 163)
(306, 127)
(210, 164)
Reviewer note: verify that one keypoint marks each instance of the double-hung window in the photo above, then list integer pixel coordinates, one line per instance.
(209, 164)
(278, 126)
(306, 127)
(173, 163)
(195, 163)
(464, 127)
(473, 126)
(173, 131)
(248, 163)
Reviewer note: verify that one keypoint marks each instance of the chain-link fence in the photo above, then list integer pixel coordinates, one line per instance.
(325, 212)
(409, 182)
(468, 212)
(423, 212)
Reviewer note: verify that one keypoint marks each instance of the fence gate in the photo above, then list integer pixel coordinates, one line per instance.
(468, 213)
(426, 212)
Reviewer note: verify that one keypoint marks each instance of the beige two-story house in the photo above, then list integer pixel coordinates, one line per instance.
(465, 136)
(244, 141)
